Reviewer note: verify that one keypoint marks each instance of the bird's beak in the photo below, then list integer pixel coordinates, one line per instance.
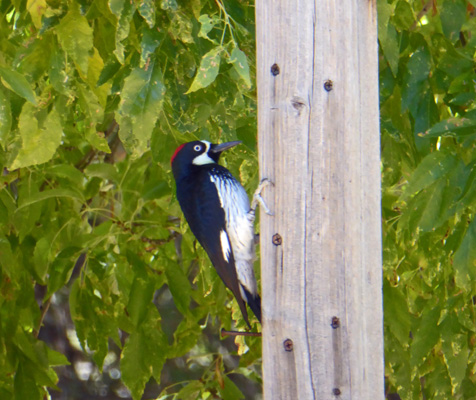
(218, 148)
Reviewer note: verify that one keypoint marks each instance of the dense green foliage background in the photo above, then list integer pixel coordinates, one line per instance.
(428, 121)
(103, 291)
(94, 98)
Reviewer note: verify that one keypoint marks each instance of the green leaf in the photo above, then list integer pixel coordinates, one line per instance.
(103, 171)
(140, 107)
(416, 73)
(426, 336)
(39, 140)
(207, 71)
(240, 63)
(41, 256)
(147, 11)
(7, 260)
(5, 118)
(36, 8)
(50, 194)
(388, 35)
(169, 5)
(230, 391)
(59, 75)
(455, 351)
(56, 358)
(433, 167)
(94, 114)
(206, 25)
(191, 391)
(76, 36)
(451, 127)
(140, 298)
(403, 16)
(179, 286)
(151, 39)
(17, 83)
(396, 316)
(110, 69)
(124, 11)
(143, 356)
(417, 94)
(453, 16)
(25, 384)
(67, 171)
(464, 261)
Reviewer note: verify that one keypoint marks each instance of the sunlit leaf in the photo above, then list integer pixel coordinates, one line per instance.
(36, 8)
(207, 71)
(39, 140)
(17, 83)
(432, 168)
(124, 11)
(147, 11)
(141, 105)
(240, 63)
(452, 127)
(76, 36)
(455, 352)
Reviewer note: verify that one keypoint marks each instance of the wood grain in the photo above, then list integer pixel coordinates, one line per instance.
(318, 127)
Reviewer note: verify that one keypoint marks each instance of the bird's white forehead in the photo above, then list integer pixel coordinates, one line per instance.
(203, 158)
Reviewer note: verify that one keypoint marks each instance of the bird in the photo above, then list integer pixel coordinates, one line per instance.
(219, 214)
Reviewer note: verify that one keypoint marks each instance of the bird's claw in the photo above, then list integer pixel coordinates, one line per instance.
(258, 199)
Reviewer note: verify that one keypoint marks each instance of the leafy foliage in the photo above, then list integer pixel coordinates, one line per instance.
(94, 98)
(94, 258)
(428, 138)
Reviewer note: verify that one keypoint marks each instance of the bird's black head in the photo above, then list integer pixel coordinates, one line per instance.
(199, 152)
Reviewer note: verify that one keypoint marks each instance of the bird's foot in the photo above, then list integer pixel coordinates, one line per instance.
(258, 199)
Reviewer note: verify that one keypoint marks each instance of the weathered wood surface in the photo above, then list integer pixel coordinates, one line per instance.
(319, 144)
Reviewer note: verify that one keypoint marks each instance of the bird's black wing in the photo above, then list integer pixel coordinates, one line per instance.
(207, 222)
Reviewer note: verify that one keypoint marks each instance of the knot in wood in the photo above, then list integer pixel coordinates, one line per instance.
(335, 323)
(288, 345)
(328, 85)
(275, 69)
(336, 392)
(277, 239)
(298, 104)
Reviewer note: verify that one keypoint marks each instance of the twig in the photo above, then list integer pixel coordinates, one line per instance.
(44, 309)
(235, 333)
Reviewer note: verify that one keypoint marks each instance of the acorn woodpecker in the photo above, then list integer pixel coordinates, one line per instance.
(218, 212)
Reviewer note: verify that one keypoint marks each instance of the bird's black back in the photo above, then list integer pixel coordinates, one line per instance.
(199, 200)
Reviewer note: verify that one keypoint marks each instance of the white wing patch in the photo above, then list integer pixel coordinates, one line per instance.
(225, 246)
(239, 227)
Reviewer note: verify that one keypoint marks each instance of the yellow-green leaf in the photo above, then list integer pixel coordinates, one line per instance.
(76, 37)
(208, 70)
(39, 141)
(5, 118)
(240, 63)
(17, 83)
(36, 8)
(140, 107)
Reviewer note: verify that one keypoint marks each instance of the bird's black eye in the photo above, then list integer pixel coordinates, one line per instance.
(197, 147)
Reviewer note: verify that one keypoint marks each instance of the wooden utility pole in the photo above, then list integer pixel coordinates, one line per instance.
(321, 251)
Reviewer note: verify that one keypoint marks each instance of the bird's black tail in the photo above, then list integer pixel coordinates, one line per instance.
(254, 302)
